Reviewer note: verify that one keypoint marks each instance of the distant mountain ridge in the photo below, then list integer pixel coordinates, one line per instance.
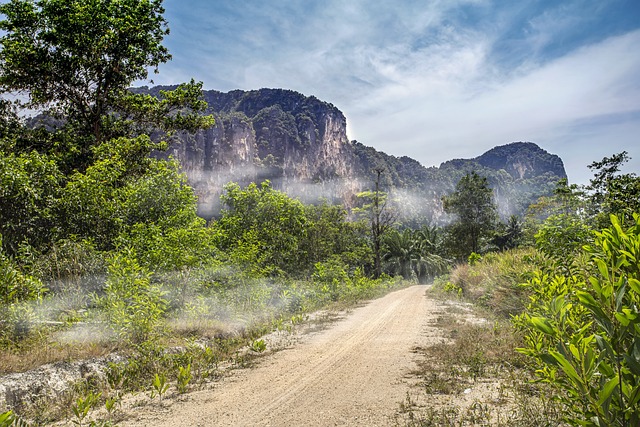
(521, 160)
(300, 144)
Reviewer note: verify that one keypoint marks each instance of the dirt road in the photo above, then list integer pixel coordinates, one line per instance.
(351, 374)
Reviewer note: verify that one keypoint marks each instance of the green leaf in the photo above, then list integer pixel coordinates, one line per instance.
(569, 370)
(6, 419)
(602, 267)
(548, 359)
(595, 283)
(620, 294)
(606, 370)
(620, 317)
(633, 364)
(607, 390)
(599, 315)
(634, 396)
(543, 325)
(629, 255)
(586, 299)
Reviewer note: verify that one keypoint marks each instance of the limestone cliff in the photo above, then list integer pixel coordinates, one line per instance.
(300, 144)
(297, 142)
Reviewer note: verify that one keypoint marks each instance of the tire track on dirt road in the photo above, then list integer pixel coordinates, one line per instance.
(349, 374)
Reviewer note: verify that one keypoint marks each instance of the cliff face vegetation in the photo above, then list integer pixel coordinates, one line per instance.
(300, 144)
(297, 142)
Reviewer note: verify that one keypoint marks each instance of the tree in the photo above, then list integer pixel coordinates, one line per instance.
(475, 211)
(82, 167)
(264, 227)
(123, 188)
(76, 59)
(614, 193)
(77, 56)
(566, 207)
(402, 252)
(508, 235)
(381, 219)
(566, 199)
(29, 190)
(412, 253)
(329, 233)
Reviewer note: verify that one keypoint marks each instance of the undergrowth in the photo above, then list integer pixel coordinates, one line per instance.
(174, 330)
(474, 377)
(495, 281)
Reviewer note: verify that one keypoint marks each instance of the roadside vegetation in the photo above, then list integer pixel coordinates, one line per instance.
(546, 333)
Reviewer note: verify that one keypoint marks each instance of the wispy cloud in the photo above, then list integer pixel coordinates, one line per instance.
(542, 105)
(436, 81)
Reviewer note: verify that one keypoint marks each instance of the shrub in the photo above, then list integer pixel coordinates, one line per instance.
(133, 305)
(583, 331)
(334, 282)
(16, 286)
(29, 187)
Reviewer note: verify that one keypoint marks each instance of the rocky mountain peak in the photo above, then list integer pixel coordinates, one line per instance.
(300, 143)
(522, 160)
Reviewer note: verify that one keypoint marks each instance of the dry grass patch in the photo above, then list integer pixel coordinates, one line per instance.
(37, 352)
(474, 376)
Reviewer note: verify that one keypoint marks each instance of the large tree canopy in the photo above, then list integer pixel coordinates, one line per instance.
(77, 55)
(76, 60)
(82, 167)
(473, 205)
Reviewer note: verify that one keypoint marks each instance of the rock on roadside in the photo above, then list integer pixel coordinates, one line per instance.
(46, 383)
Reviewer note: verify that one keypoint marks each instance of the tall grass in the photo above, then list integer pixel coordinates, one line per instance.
(495, 281)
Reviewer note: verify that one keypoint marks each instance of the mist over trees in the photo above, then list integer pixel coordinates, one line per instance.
(94, 226)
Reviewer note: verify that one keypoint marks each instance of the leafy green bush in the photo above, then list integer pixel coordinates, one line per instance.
(17, 290)
(267, 220)
(133, 305)
(16, 286)
(268, 233)
(123, 188)
(334, 282)
(583, 331)
(562, 236)
(473, 258)
(331, 278)
(29, 187)
(171, 248)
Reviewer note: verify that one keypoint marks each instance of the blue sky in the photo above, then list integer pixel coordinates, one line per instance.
(433, 80)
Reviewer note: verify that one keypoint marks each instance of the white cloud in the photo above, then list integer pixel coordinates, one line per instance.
(417, 80)
(446, 119)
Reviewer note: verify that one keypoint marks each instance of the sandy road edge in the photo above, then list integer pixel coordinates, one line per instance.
(346, 383)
